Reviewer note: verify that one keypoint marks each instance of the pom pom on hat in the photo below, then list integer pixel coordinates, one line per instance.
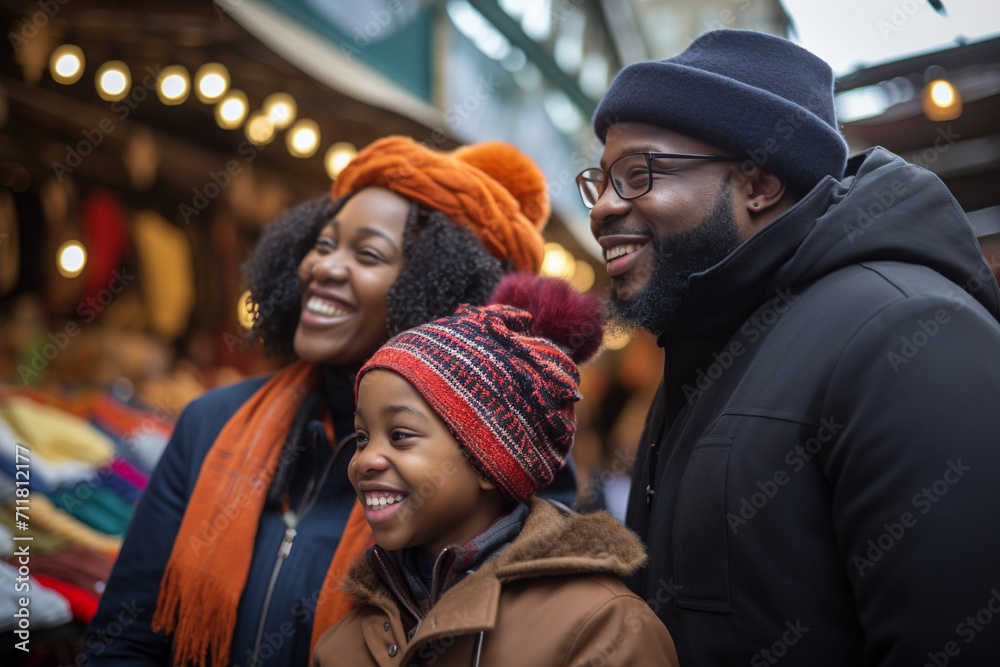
(570, 319)
(493, 188)
(515, 171)
(505, 390)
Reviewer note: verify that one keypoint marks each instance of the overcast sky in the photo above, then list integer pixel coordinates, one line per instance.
(850, 33)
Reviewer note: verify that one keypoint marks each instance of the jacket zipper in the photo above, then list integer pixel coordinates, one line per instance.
(389, 579)
(477, 649)
(286, 548)
(654, 451)
(291, 522)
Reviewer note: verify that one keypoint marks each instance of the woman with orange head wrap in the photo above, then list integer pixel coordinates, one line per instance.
(247, 525)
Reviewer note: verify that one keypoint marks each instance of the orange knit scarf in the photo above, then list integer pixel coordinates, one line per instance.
(208, 566)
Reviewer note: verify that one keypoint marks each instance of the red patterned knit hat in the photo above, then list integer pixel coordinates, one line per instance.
(503, 377)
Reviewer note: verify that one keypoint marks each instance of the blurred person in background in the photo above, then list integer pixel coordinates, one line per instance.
(817, 477)
(249, 521)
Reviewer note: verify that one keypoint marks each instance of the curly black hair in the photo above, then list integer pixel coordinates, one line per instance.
(445, 265)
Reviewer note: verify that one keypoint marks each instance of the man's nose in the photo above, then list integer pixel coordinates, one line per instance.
(608, 208)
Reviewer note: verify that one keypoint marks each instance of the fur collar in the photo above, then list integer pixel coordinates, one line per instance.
(554, 541)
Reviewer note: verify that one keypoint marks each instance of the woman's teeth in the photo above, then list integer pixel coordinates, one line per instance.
(377, 502)
(321, 307)
(618, 251)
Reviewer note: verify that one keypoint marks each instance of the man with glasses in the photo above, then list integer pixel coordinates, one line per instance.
(819, 475)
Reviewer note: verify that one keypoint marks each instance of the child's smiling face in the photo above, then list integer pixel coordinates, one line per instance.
(418, 487)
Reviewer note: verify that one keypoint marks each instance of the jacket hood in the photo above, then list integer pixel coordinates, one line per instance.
(554, 542)
(884, 209)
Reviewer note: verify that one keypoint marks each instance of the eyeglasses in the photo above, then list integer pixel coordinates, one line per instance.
(630, 175)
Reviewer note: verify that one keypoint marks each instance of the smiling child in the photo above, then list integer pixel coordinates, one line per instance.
(459, 423)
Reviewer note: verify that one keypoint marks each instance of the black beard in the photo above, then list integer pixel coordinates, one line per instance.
(656, 308)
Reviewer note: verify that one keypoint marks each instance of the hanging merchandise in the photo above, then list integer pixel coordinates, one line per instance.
(106, 238)
(166, 274)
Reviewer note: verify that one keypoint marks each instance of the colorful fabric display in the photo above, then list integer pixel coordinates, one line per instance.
(120, 486)
(47, 517)
(54, 434)
(82, 605)
(48, 608)
(98, 507)
(130, 473)
(8, 469)
(43, 542)
(45, 474)
(138, 434)
(78, 565)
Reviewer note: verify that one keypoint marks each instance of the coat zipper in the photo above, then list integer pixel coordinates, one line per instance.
(477, 649)
(405, 599)
(286, 548)
(291, 522)
(654, 451)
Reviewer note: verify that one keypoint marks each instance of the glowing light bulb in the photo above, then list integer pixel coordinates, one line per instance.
(246, 310)
(232, 110)
(113, 80)
(558, 262)
(337, 157)
(259, 129)
(174, 85)
(71, 258)
(303, 138)
(941, 100)
(942, 93)
(211, 82)
(66, 64)
(583, 275)
(281, 109)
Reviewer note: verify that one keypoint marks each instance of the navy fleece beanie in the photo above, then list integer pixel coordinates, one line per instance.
(758, 96)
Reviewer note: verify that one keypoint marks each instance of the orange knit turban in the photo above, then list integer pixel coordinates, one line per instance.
(492, 188)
